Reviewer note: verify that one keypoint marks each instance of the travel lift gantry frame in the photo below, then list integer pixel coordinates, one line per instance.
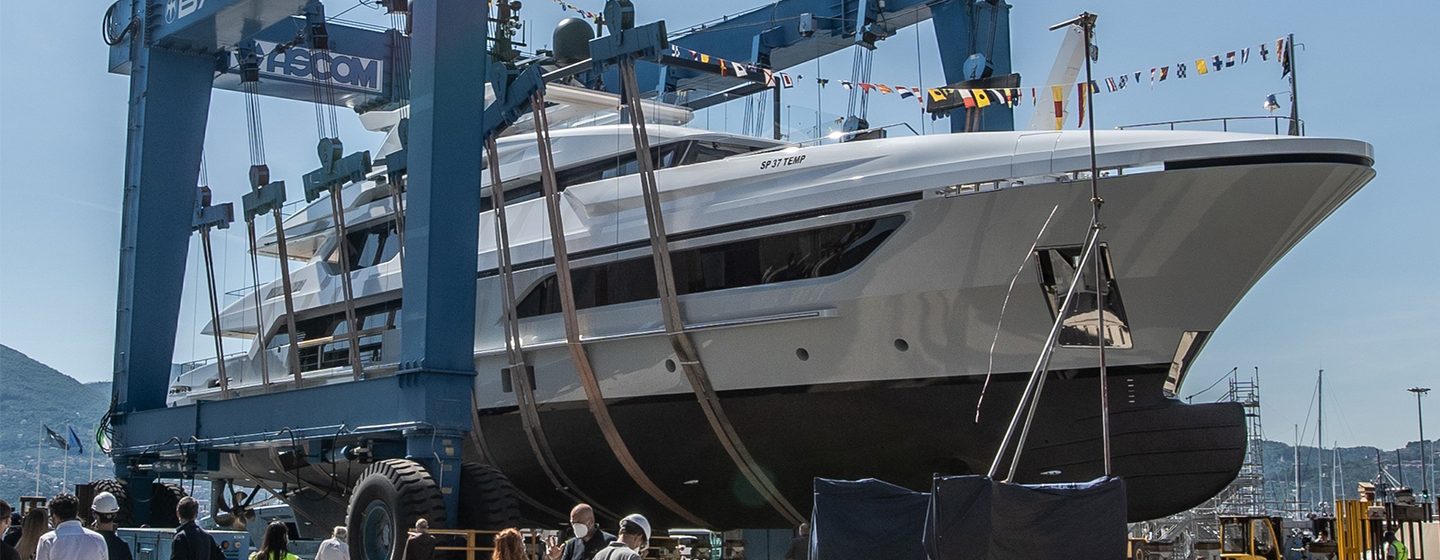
(177, 50)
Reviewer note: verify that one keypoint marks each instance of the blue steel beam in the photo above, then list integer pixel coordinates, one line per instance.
(169, 102)
(448, 68)
(985, 24)
(772, 34)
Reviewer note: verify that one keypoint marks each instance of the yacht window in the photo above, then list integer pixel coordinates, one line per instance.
(1057, 270)
(324, 342)
(703, 151)
(664, 157)
(813, 253)
(368, 246)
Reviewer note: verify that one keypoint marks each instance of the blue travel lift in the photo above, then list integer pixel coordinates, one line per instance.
(176, 51)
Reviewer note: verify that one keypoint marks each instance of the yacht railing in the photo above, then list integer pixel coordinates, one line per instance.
(1187, 124)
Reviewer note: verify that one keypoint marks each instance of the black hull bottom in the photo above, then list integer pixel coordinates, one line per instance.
(1173, 456)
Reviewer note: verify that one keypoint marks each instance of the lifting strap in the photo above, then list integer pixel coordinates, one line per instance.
(578, 355)
(685, 351)
(519, 372)
(335, 171)
(478, 438)
(206, 217)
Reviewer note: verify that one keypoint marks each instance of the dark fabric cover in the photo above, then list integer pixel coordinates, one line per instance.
(974, 518)
(867, 519)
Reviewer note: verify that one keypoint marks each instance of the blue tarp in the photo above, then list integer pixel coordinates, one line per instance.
(974, 518)
(866, 520)
(967, 518)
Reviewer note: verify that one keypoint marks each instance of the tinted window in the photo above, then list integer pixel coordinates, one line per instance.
(812, 253)
(666, 156)
(368, 246)
(332, 345)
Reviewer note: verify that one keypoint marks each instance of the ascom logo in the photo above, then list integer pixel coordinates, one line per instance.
(176, 9)
(339, 69)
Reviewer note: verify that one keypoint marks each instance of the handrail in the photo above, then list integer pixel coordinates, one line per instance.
(1224, 122)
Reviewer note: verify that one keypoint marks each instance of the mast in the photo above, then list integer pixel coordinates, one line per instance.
(1319, 430)
(1296, 449)
(1335, 471)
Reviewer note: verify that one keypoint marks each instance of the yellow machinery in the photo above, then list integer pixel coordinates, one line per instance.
(1251, 538)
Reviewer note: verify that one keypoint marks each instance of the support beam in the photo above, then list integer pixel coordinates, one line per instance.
(442, 224)
(169, 103)
(965, 28)
(448, 63)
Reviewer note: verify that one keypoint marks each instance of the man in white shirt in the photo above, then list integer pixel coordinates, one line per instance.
(70, 540)
(334, 548)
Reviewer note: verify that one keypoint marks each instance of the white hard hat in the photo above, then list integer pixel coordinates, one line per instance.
(105, 502)
(638, 521)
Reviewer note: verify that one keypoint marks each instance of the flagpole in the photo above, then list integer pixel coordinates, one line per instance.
(1294, 99)
(1088, 22)
(91, 477)
(65, 463)
(39, 458)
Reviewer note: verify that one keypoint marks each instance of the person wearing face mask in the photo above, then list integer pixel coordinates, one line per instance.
(588, 540)
(633, 542)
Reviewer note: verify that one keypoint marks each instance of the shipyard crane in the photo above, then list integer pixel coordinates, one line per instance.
(176, 51)
(370, 67)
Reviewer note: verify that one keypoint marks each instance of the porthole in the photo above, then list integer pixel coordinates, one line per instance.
(802, 353)
(670, 365)
(902, 345)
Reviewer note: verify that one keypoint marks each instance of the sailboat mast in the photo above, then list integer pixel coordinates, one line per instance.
(1320, 434)
(1297, 471)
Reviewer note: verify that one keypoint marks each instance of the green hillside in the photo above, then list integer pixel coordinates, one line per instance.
(32, 394)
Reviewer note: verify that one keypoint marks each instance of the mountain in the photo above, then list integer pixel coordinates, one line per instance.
(33, 394)
(1350, 466)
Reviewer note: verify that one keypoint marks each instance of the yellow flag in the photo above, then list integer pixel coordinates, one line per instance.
(936, 95)
(982, 99)
(1058, 94)
(1201, 67)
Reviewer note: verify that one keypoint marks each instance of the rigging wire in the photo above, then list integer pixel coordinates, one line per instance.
(990, 368)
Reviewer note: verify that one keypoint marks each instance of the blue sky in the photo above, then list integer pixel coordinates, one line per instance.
(1352, 298)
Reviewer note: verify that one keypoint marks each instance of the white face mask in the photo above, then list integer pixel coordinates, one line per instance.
(581, 529)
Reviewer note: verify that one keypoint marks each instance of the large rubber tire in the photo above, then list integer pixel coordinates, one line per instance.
(388, 497)
(164, 496)
(122, 495)
(487, 498)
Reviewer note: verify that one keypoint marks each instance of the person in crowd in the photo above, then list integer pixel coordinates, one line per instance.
(36, 523)
(106, 509)
(421, 544)
(1394, 548)
(69, 540)
(588, 539)
(12, 535)
(192, 542)
(276, 544)
(634, 540)
(800, 545)
(509, 545)
(335, 547)
(7, 551)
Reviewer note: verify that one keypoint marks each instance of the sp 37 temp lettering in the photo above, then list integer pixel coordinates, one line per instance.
(781, 162)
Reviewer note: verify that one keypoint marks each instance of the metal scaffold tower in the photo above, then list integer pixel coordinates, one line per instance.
(1246, 495)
